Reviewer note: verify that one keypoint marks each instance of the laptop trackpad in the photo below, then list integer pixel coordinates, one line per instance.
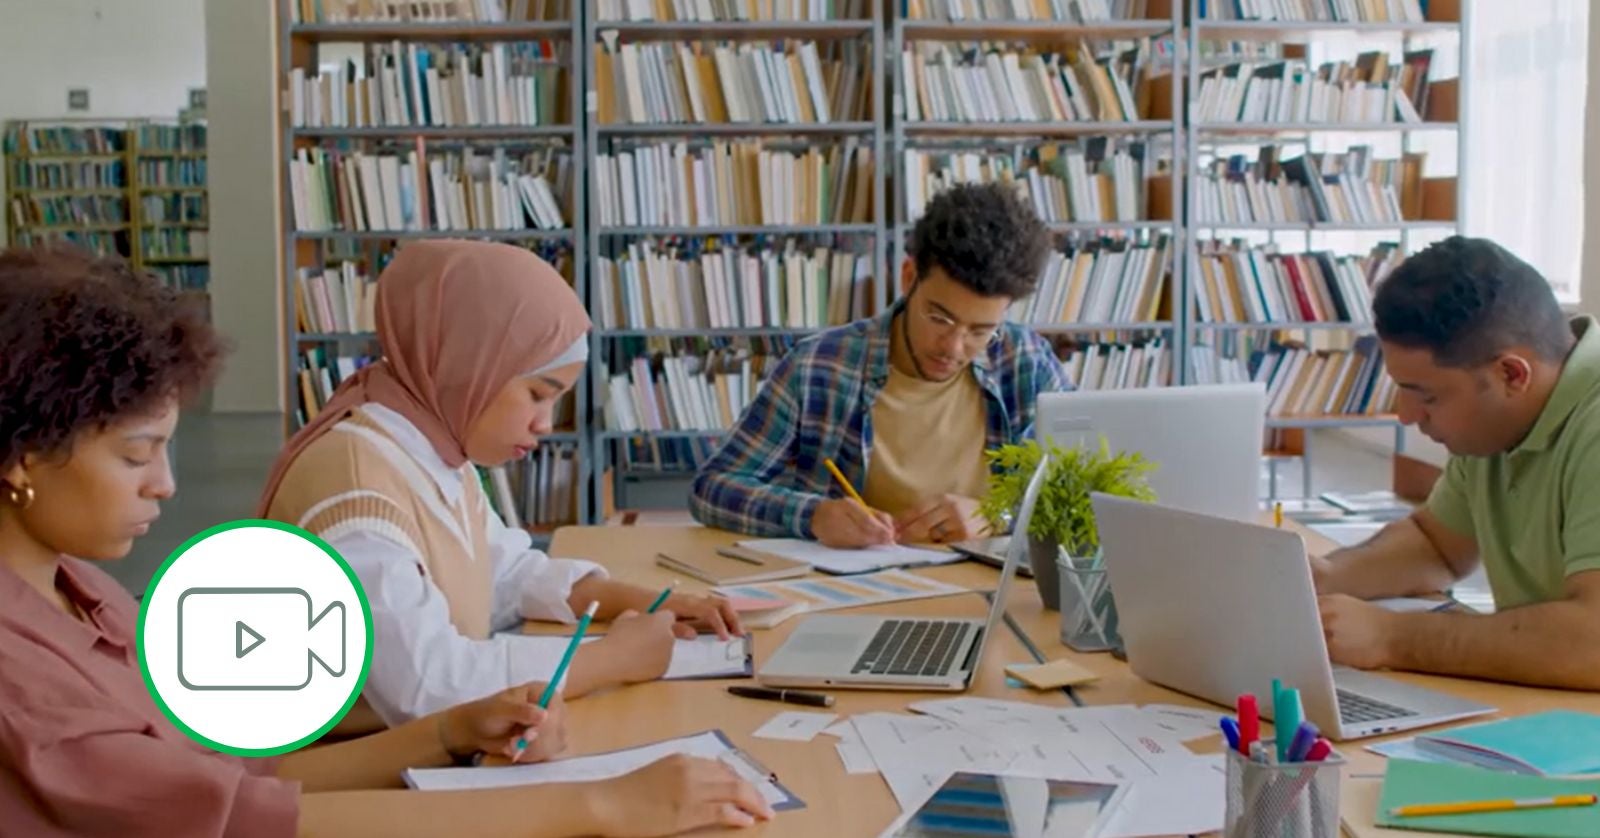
(819, 642)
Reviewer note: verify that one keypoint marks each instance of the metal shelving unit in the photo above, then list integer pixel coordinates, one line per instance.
(298, 46)
(1204, 133)
(870, 31)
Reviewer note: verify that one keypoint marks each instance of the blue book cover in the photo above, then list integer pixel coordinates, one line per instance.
(1555, 742)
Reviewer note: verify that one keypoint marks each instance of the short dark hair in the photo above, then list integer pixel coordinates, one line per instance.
(1467, 300)
(985, 237)
(86, 341)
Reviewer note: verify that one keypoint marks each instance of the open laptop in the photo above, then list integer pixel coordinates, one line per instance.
(897, 653)
(1220, 477)
(1216, 608)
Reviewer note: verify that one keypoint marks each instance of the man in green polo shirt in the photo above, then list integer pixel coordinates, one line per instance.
(1489, 367)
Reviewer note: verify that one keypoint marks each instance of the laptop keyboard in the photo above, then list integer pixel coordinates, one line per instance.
(912, 647)
(1356, 709)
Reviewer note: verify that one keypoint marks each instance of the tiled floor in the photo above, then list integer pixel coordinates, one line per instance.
(222, 460)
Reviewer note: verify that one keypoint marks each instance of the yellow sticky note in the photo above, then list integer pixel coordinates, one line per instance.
(1049, 676)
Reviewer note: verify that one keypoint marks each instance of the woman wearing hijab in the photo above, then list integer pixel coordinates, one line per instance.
(96, 364)
(479, 342)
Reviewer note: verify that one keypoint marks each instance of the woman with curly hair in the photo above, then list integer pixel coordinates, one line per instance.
(95, 361)
(480, 341)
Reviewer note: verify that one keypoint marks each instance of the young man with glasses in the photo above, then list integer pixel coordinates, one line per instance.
(904, 403)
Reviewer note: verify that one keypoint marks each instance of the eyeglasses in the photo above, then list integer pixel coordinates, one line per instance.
(975, 337)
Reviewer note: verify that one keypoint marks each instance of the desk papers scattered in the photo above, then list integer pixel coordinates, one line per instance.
(711, 744)
(1138, 747)
(795, 726)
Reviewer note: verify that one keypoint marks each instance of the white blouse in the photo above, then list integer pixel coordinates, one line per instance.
(420, 662)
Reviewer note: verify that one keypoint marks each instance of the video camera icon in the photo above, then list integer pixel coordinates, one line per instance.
(250, 639)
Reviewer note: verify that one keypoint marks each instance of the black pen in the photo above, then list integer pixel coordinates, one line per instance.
(785, 696)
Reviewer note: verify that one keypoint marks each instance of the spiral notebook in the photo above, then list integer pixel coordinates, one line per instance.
(710, 744)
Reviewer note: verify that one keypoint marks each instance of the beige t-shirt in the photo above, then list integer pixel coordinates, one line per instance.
(927, 440)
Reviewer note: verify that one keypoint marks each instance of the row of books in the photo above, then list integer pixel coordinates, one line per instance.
(547, 485)
(1117, 366)
(186, 138)
(1302, 381)
(683, 392)
(794, 82)
(1341, 11)
(1068, 11)
(67, 174)
(65, 210)
(735, 183)
(414, 190)
(174, 208)
(183, 277)
(428, 11)
(318, 373)
(732, 288)
(1366, 90)
(336, 300)
(1104, 281)
(716, 11)
(1306, 382)
(1349, 187)
(108, 243)
(653, 455)
(180, 171)
(1240, 284)
(21, 141)
(948, 82)
(1094, 179)
(441, 85)
(170, 243)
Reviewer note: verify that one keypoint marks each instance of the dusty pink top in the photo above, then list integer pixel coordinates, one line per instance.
(84, 750)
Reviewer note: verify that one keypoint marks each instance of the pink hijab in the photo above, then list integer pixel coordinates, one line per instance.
(456, 321)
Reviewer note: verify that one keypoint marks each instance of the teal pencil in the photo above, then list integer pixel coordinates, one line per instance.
(561, 671)
(665, 592)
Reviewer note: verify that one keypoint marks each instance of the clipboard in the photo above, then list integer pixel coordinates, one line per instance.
(740, 658)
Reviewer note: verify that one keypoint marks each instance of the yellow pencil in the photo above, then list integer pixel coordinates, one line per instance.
(1277, 514)
(849, 489)
(1474, 806)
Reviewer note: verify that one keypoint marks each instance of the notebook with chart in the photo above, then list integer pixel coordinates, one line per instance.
(826, 594)
(705, 656)
(1551, 743)
(710, 744)
(842, 562)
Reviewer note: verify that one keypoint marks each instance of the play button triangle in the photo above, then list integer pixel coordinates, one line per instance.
(240, 646)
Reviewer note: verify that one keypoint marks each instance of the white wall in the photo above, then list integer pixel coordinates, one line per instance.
(108, 46)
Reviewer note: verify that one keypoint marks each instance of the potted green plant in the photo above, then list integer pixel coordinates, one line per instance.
(1063, 516)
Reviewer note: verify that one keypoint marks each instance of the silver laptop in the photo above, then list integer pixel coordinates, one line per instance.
(897, 653)
(1217, 608)
(1205, 439)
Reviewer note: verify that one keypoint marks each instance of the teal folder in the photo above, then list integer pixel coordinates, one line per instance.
(1557, 742)
(1407, 783)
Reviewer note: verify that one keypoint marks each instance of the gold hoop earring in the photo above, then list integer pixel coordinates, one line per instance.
(20, 498)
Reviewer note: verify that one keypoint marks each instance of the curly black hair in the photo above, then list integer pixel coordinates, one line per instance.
(1467, 300)
(985, 237)
(85, 341)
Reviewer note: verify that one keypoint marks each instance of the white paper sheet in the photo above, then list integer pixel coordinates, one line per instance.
(795, 726)
(851, 561)
(1184, 722)
(595, 767)
(1187, 800)
(856, 758)
(1411, 605)
(703, 657)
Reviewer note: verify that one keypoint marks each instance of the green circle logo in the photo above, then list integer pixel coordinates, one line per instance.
(255, 638)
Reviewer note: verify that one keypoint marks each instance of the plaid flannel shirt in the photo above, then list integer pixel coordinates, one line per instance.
(768, 476)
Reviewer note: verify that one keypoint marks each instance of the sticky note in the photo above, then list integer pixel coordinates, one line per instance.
(1049, 676)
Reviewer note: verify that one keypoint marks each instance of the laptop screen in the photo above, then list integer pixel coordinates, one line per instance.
(1015, 551)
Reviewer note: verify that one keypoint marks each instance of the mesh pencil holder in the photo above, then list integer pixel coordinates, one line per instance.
(1289, 800)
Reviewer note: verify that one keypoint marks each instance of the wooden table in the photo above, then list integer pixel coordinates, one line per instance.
(843, 806)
